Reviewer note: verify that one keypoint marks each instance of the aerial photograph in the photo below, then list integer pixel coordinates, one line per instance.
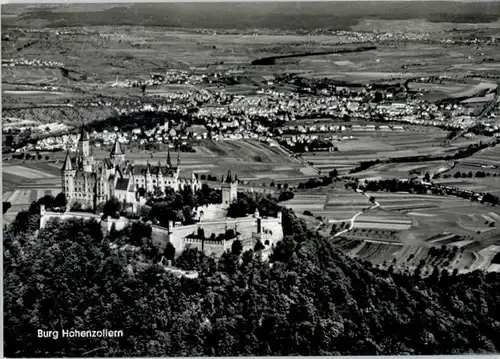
(274, 178)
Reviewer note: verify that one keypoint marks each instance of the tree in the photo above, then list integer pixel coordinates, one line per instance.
(112, 208)
(333, 173)
(6, 206)
(169, 251)
(259, 246)
(157, 192)
(60, 200)
(236, 247)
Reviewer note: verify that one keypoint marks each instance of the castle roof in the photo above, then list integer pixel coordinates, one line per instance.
(108, 163)
(154, 170)
(122, 184)
(117, 149)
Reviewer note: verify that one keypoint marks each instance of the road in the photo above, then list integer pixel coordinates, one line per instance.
(353, 219)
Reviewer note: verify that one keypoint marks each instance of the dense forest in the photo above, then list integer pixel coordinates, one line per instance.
(308, 299)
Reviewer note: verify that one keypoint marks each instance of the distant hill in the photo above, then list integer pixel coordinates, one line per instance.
(272, 15)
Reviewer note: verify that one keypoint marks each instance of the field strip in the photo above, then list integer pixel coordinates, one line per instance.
(463, 243)
(488, 218)
(418, 214)
(495, 215)
(356, 250)
(26, 172)
(199, 165)
(305, 207)
(388, 226)
(442, 238)
(383, 242)
(14, 196)
(6, 195)
(486, 255)
(385, 220)
(283, 168)
(494, 268)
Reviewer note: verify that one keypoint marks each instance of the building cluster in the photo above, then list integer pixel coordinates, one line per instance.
(354, 37)
(179, 77)
(30, 62)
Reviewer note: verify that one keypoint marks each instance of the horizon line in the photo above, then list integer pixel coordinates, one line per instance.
(93, 2)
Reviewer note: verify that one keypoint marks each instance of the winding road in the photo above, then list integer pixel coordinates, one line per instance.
(353, 219)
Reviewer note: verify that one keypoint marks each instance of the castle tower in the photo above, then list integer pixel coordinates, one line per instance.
(149, 183)
(229, 190)
(178, 169)
(117, 154)
(169, 162)
(68, 173)
(84, 143)
(87, 160)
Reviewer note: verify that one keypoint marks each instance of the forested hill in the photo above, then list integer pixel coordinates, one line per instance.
(308, 300)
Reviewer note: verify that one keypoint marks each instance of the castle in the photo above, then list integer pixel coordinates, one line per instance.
(92, 182)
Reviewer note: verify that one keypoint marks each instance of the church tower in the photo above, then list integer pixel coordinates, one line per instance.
(68, 173)
(229, 190)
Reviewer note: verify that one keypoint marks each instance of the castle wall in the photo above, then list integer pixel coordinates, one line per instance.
(47, 216)
(178, 234)
(106, 225)
(273, 225)
(211, 212)
(160, 237)
(270, 231)
(120, 223)
(210, 248)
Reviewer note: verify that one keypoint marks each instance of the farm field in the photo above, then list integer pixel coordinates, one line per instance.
(402, 170)
(25, 183)
(453, 90)
(384, 254)
(381, 145)
(488, 157)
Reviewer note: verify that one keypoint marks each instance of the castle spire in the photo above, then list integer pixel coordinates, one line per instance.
(117, 148)
(67, 165)
(229, 178)
(84, 136)
(169, 163)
